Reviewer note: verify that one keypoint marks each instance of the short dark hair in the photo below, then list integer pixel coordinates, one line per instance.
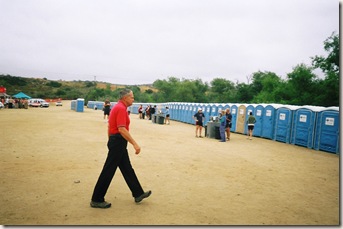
(250, 113)
(124, 93)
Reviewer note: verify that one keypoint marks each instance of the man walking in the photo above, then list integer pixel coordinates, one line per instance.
(118, 136)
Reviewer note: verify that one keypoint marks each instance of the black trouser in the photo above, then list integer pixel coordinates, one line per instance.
(117, 157)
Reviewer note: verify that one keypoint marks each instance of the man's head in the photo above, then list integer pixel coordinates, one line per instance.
(126, 95)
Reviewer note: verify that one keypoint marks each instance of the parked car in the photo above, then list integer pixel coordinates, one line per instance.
(58, 103)
(38, 103)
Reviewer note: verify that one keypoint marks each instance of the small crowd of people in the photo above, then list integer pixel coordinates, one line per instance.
(150, 110)
(10, 103)
(225, 125)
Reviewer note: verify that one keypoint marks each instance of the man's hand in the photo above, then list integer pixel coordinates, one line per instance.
(137, 148)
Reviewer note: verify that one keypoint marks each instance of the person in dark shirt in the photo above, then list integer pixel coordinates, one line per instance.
(199, 119)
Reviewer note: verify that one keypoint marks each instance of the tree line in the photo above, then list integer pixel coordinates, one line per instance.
(301, 86)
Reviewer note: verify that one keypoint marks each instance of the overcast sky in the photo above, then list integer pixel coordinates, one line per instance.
(140, 41)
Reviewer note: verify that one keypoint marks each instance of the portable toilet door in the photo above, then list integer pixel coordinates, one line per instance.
(327, 131)
(214, 109)
(283, 124)
(259, 110)
(233, 110)
(250, 108)
(268, 121)
(207, 112)
(190, 113)
(303, 127)
(240, 119)
(183, 112)
(177, 112)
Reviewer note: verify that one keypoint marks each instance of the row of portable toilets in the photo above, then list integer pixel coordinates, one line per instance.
(309, 126)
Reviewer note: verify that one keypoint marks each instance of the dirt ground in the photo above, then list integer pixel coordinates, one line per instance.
(51, 159)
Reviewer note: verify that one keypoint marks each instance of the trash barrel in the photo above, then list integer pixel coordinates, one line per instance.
(217, 132)
(160, 119)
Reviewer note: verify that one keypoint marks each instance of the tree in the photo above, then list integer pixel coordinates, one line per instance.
(330, 66)
(266, 87)
(301, 85)
(221, 91)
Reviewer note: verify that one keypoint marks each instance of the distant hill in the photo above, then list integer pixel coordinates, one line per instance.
(45, 88)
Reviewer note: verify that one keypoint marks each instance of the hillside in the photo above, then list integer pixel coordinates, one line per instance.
(45, 88)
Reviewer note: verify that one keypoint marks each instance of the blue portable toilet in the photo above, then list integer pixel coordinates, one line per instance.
(327, 130)
(249, 108)
(180, 111)
(184, 112)
(90, 104)
(259, 110)
(303, 126)
(73, 105)
(80, 103)
(214, 109)
(268, 120)
(283, 123)
(172, 109)
(233, 110)
(189, 113)
(207, 112)
(176, 111)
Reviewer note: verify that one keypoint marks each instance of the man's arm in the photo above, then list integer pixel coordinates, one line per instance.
(126, 134)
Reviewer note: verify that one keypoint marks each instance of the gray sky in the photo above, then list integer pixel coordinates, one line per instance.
(140, 41)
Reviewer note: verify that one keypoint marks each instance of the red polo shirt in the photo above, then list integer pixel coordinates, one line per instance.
(118, 118)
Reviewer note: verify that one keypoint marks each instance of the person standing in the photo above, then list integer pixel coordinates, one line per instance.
(167, 121)
(107, 109)
(152, 111)
(118, 137)
(140, 111)
(199, 119)
(251, 123)
(228, 123)
(222, 126)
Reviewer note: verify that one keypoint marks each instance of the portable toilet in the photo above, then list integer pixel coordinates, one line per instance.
(80, 103)
(176, 110)
(240, 119)
(249, 108)
(182, 112)
(214, 109)
(283, 123)
(259, 111)
(220, 108)
(207, 112)
(73, 105)
(172, 110)
(191, 111)
(188, 112)
(327, 130)
(234, 111)
(268, 120)
(303, 126)
(134, 108)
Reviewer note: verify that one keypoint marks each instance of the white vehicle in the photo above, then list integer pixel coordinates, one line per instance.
(38, 103)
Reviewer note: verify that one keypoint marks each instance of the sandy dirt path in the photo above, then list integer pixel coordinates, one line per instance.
(51, 159)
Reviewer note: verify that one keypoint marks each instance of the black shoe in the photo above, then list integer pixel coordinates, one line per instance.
(141, 197)
(103, 204)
